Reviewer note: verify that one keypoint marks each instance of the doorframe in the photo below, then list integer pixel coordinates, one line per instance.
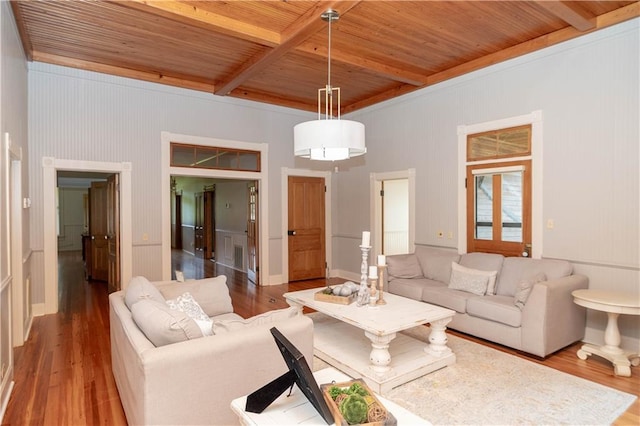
(375, 186)
(50, 168)
(535, 120)
(285, 172)
(19, 324)
(263, 191)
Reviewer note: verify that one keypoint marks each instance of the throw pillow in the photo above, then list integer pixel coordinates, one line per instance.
(471, 280)
(185, 303)
(212, 294)
(163, 325)
(140, 288)
(524, 289)
(226, 326)
(403, 266)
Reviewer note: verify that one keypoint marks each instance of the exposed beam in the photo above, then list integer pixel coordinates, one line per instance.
(190, 14)
(376, 68)
(570, 13)
(307, 25)
(274, 99)
(123, 72)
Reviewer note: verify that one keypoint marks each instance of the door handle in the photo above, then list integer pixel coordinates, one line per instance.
(291, 233)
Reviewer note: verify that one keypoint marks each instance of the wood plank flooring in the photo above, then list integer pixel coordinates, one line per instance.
(63, 372)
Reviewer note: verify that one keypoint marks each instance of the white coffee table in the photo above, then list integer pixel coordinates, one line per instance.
(297, 410)
(340, 341)
(614, 304)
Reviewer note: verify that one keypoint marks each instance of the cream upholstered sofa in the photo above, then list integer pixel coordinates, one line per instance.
(518, 302)
(171, 374)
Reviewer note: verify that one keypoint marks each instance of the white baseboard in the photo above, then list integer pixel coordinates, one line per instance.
(596, 337)
(351, 276)
(275, 280)
(38, 309)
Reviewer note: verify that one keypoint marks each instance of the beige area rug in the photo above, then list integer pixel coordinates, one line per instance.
(489, 387)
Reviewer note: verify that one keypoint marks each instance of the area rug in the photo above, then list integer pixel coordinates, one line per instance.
(489, 387)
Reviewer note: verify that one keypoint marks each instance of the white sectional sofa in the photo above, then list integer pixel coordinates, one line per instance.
(167, 372)
(522, 303)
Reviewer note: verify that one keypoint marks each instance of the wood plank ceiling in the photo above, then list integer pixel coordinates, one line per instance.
(276, 51)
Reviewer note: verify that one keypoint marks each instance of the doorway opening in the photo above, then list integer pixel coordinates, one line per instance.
(393, 212)
(123, 265)
(221, 245)
(213, 220)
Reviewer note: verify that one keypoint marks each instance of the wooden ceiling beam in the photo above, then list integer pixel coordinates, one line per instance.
(122, 72)
(376, 68)
(192, 15)
(570, 13)
(307, 25)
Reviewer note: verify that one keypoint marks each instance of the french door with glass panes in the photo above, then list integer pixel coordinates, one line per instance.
(499, 208)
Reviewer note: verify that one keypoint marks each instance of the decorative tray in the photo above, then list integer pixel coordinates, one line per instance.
(332, 298)
(377, 414)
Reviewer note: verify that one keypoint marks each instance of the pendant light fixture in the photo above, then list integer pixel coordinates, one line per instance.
(329, 138)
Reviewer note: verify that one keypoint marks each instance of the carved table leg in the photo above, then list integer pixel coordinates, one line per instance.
(380, 357)
(438, 339)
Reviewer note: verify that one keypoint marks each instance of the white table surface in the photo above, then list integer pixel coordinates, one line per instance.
(297, 410)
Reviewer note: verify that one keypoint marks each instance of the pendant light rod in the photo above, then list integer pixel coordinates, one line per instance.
(329, 16)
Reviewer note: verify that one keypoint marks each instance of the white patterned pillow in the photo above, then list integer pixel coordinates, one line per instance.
(192, 309)
(471, 280)
(524, 289)
(163, 325)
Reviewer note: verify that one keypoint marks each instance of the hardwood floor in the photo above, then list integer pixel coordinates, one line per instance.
(63, 372)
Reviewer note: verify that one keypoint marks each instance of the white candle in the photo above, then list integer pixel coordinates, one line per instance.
(373, 272)
(366, 238)
(382, 260)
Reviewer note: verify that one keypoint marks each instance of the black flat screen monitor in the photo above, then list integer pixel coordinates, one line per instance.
(299, 373)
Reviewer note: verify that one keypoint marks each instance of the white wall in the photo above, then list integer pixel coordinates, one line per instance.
(587, 90)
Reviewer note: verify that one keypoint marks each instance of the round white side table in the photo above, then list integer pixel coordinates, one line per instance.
(614, 304)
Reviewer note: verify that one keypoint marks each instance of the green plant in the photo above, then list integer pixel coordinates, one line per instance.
(334, 391)
(354, 409)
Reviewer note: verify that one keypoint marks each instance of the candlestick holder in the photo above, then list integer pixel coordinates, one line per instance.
(373, 292)
(363, 292)
(381, 300)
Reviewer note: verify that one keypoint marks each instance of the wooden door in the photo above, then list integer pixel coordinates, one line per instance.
(178, 230)
(307, 256)
(252, 233)
(113, 232)
(98, 231)
(198, 230)
(209, 223)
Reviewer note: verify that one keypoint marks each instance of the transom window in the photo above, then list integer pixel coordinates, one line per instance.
(210, 157)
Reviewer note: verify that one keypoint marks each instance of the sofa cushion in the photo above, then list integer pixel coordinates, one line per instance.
(411, 287)
(524, 289)
(436, 263)
(403, 266)
(163, 325)
(186, 303)
(212, 294)
(225, 326)
(484, 262)
(447, 298)
(518, 269)
(140, 288)
(495, 308)
(471, 280)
